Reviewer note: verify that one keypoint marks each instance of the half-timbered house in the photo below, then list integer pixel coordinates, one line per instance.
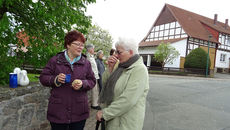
(186, 31)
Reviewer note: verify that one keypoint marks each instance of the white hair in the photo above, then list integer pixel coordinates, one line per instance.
(99, 52)
(89, 46)
(127, 44)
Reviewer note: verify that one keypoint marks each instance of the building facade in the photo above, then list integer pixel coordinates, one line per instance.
(186, 31)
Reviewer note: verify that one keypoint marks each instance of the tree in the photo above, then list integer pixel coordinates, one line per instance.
(165, 54)
(197, 58)
(101, 39)
(44, 23)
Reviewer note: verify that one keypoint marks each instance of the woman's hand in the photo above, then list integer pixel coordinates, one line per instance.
(112, 60)
(77, 84)
(61, 78)
(99, 115)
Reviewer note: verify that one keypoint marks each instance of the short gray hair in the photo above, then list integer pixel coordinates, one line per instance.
(99, 52)
(128, 44)
(89, 46)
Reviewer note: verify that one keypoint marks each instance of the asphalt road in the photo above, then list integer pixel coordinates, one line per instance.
(188, 103)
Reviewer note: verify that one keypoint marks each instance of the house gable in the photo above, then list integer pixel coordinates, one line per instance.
(165, 17)
(193, 24)
(214, 33)
(166, 27)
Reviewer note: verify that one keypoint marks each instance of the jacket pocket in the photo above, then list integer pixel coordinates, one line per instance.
(54, 100)
(80, 106)
(55, 107)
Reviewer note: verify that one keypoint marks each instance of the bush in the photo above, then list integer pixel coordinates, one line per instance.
(7, 66)
(197, 58)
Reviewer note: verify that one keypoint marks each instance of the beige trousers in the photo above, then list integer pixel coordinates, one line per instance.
(95, 95)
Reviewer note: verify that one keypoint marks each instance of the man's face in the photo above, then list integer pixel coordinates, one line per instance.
(91, 51)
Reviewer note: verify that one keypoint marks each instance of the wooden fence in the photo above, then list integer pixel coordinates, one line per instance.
(184, 70)
(32, 69)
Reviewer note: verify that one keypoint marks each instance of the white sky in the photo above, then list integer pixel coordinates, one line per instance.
(133, 18)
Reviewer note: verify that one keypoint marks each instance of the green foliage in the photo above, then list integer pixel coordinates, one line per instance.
(44, 23)
(101, 39)
(197, 58)
(166, 54)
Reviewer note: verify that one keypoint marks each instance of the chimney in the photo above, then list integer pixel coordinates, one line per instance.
(215, 18)
(226, 23)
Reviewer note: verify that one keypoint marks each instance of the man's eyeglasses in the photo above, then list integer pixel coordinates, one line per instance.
(79, 44)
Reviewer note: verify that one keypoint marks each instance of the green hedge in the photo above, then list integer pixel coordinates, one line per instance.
(197, 58)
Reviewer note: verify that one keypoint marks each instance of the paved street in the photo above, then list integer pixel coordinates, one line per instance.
(185, 103)
(91, 121)
(188, 103)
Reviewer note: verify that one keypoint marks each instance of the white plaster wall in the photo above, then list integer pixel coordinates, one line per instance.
(147, 50)
(181, 47)
(222, 64)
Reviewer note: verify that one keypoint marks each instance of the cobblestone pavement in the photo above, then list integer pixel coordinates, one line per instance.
(91, 121)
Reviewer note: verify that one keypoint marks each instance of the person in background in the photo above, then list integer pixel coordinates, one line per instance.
(95, 91)
(100, 67)
(123, 96)
(68, 102)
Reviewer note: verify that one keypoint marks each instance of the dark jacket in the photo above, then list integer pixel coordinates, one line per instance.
(100, 67)
(67, 105)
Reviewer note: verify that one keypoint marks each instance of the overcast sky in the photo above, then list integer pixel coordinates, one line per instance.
(133, 18)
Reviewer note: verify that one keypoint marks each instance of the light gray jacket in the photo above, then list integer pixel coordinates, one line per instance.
(93, 65)
(127, 110)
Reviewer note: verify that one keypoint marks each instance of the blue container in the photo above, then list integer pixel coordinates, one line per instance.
(13, 80)
(67, 78)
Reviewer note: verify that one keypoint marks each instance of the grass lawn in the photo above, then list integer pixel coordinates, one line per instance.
(33, 77)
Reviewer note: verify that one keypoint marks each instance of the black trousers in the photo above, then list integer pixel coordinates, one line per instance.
(72, 126)
(100, 83)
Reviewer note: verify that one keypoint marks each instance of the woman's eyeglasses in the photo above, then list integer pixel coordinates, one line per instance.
(79, 44)
(119, 52)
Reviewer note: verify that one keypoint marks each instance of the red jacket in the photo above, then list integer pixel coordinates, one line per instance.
(67, 105)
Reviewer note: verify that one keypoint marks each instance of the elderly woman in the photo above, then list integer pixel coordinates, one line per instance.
(70, 76)
(125, 88)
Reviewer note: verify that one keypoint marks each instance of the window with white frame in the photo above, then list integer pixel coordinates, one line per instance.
(228, 40)
(222, 57)
(166, 31)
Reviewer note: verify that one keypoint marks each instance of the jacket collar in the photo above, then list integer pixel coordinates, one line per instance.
(138, 62)
(62, 60)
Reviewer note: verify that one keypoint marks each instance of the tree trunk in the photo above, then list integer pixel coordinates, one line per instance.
(162, 67)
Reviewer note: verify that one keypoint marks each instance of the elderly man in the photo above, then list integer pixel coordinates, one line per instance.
(95, 91)
(100, 67)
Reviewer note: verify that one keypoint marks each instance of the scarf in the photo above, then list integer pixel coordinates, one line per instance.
(76, 59)
(107, 92)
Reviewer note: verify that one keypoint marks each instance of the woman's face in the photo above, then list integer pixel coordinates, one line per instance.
(122, 54)
(75, 48)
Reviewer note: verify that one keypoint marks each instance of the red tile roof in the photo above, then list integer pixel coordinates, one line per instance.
(194, 25)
